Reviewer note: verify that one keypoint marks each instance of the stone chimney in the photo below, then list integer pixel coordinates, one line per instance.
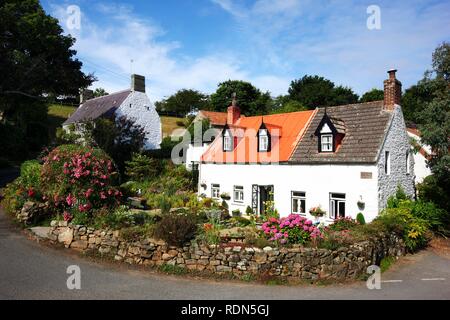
(86, 94)
(233, 111)
(137, 83)
(392, 91)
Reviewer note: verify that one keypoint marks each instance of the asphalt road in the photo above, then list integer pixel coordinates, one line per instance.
(29, 270)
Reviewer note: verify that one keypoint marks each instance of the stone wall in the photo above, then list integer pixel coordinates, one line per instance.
(298, 262)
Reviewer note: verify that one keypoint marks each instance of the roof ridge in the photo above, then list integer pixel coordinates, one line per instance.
(107, 95)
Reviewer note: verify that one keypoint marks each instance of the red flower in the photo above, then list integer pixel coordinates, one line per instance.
(31, 192)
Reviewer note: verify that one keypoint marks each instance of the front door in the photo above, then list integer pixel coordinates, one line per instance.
(265, 194)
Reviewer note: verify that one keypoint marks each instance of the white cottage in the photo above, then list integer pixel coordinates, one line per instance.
(132, 103)
(421, 156)
(345, 159)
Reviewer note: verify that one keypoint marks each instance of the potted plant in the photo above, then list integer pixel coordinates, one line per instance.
(360, 204)
(317, 212)
(225, 196)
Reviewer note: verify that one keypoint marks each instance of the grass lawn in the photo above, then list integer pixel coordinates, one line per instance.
(169, 124)
(57, 114)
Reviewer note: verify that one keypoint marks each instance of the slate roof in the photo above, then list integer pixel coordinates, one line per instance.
(365, 126)
(98, 107)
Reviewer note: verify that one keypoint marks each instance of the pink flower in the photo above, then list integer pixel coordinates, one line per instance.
(31, 192)
(70, 200)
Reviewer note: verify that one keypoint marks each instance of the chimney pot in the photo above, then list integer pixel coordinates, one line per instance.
(137, 83)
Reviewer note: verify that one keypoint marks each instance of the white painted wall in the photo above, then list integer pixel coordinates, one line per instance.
(137, 106)
(194, 153)
(316, 180)
(397, 143)
(421, 169)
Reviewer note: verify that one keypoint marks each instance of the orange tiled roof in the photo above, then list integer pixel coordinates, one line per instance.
(215, 118)
(285, 129)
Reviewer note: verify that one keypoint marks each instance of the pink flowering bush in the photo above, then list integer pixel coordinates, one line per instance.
(294, 229)
(77, 179)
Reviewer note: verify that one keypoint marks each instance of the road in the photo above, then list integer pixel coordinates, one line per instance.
(29, 270)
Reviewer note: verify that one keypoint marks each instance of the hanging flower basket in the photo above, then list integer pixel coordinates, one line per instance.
(317, 212)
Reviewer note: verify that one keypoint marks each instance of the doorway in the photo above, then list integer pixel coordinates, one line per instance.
(260, 195)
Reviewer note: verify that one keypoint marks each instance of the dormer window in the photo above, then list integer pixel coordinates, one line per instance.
(330, 133)
(326, 142)
(227, 141)
(263, 139)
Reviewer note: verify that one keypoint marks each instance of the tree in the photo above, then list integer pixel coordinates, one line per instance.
(184, 101)
(315, 91)
(250, 100)
(286, 106)
(372, 95)
(36, 61)
(435, 117)
(100, 92)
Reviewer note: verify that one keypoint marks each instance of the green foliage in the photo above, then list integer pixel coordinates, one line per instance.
(315, 91)
(386, 263)
(282, 104)
(30, 173)
(250, 100)
(100, 92)
(360, 218)
(237, 213)
(183, 101)
(141, 167)
(372, 95)
(176, 229)
(172, 269)
(36, 59)
(137, 233)
(14, 196)
(249, 210)
(342, 224)
(431, 189)
(240, 221)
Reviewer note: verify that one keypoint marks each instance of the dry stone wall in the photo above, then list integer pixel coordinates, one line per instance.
(298, 262)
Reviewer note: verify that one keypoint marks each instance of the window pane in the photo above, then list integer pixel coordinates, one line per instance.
(341, 209)
(302, 206)
(295, 205)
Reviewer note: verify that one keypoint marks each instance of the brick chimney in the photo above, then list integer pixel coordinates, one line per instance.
(233, 111)
(86, 94)
(392, 91)
(137, 83)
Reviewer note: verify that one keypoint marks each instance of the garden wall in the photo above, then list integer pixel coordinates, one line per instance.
(240, 259)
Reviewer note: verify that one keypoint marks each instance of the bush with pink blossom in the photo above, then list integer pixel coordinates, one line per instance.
(77, 179)
(293, 229)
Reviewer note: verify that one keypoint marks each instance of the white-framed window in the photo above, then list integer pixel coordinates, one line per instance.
(215, 191)
(387, 163)
(326, 142)
(227, 141)
(298, 202)
(408, 169)
(263, 140)
(337, 205)
(238, 194)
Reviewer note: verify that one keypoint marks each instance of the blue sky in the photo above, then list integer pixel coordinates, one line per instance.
(199, 43)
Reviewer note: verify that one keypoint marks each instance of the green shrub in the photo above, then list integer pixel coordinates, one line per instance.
(249, 210)
(141, 167)
(236, 213)
(79, 179)
(30, 172)
(14, 196)
(386, 263)
(434, 190)
(344, 223)
(137, 233)
(176, 229)
(360, 218)
(428, 211)
(240, 221)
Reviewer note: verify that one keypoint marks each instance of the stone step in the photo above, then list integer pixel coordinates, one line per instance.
(41, 232)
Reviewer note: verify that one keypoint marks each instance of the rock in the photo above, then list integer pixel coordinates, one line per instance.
(79, 244)
(62, 223)
(267, 249)
(104, 250)
(237, 249)
(166, 256)
(41, 232)
(260, 257)
(54, 223)
(66, 236)
(249, 250)
(223, 269)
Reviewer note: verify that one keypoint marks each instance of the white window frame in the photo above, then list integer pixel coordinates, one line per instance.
(326, 146)
(238, 194)
(408, 169)
(227, 141)
(387, 163)
(300, 197)
(263, 140)
(335, 200)
(215, 188)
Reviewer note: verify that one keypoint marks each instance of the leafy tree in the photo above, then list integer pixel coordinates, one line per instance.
(315, 91)
(289, 106)
(141, 167)
(184, 101)
(372, 95)
(250, 99)
(100, 92)
(36, 61)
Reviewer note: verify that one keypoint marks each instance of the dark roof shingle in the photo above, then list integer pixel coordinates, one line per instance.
(365, 127)
(98, 107)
